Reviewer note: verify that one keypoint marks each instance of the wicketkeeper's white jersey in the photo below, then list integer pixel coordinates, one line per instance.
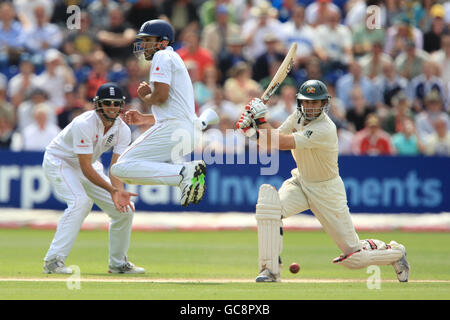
(316, 152)
(85, 135)
(168, 67)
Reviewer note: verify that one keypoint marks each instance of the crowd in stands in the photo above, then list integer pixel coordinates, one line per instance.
(386, 64)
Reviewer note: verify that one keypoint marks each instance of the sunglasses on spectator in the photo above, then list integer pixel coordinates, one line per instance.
(108, 103)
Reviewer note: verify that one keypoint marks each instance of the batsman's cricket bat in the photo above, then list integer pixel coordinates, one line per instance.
(281, 74)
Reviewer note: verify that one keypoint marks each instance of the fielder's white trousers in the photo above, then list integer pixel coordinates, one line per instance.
(328, 202)
(79, 193)
(156, 156)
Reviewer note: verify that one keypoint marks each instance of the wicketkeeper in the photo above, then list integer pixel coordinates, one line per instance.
(315, 184)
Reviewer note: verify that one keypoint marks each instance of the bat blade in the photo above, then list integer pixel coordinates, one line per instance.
(281, 74)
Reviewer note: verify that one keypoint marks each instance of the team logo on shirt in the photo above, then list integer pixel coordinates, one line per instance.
(308, 133)
(310, 90)
(157, 68)
(110, 138)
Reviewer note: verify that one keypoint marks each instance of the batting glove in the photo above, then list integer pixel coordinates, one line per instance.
(246, 125)
(258, 110)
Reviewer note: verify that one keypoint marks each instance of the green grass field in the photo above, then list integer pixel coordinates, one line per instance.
(217, 265)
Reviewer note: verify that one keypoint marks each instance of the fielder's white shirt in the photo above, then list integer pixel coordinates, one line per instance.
(316, 147)
(85, 135)
(169, 68)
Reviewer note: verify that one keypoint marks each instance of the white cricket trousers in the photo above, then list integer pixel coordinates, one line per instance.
(156, 156)
(79, 193)
(328, 202)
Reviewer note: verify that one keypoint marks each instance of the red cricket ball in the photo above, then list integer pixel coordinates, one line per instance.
(294, 267)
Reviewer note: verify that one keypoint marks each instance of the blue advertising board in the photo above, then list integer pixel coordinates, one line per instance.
(373, 184)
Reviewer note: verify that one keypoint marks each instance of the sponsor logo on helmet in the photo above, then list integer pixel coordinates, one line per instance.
(310, 90)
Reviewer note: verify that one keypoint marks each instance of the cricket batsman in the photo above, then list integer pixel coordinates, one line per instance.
(155, 157)
(315, 184)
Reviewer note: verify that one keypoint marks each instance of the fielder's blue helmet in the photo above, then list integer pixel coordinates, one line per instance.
(157, 28)
(109, 94)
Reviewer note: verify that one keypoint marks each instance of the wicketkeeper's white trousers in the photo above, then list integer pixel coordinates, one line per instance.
(156, 156)
(79, 193)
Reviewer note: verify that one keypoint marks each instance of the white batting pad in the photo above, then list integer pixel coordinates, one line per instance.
(270, 234)
(374, 252)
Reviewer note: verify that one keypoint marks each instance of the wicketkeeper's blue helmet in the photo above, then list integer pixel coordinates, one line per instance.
(108, 94)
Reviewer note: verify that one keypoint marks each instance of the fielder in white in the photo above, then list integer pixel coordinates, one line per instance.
(71, 165)
(315, 184)
(156, 157)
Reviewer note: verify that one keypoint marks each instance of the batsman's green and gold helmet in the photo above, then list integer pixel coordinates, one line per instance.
(313, 90)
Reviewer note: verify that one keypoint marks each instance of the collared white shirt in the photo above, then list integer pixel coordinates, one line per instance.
(169, 68)
(85, 135)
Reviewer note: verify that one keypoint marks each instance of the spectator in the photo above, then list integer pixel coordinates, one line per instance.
(273, 68)
(363, 38)
(401, 110)
(333, 43)
(401, 32)
(207, 11)
(312, 70)
(372, 63)
(214, 35)
(298, 31)
(26, 14)
(357, 115)
(222, 106)
(192, 51)
(388, 84)
(433, 110)
(438, 142)
(432, 38)
(337, 112)
(12, 38)
(231, 56)
(38, 134)
(80, 68)
(409, 63)
(117, 40)
(24, 82)
(272, 54)
(286, 105)
(135, 75)
(240, 88)
(442, 59)
(424, 83)
(82, 41)
(264, 21)
(352, 79)
(372, 140)
(181, 14)
(25, 109)
(6, 128)
(56, 75)
(99, 74)
(405, 142)
(44, 35)
(99, 13)
(73, 107)
(5, 106)
(317, 11)
(140, 12)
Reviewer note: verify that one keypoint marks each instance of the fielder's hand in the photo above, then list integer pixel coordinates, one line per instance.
(121, 199)
(134, 117)
(143, 90)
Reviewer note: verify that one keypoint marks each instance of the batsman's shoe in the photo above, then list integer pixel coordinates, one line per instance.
(267, 276)
(127, 268)
(193, 183)
(401, 266)
(56, 266)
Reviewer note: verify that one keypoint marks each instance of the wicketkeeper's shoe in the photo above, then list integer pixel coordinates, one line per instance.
(193, 183)
(56, 266)
(401, 266)
(267, 276)
(127, 268)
